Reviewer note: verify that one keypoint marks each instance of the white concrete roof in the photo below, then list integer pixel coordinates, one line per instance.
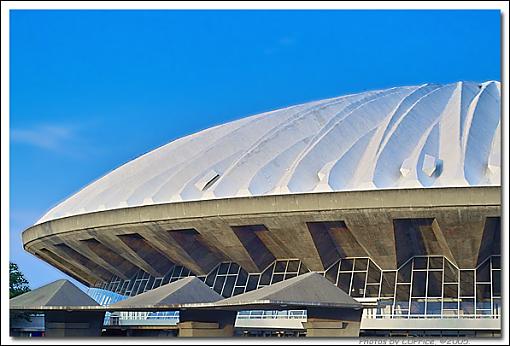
(406, 137)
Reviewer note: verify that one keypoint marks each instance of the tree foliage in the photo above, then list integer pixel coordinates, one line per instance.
(18, 284)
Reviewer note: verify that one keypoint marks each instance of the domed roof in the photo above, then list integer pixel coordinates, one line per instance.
(406, 137)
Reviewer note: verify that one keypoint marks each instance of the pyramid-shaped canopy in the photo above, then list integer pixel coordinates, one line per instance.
(187, 290)
(307, 290)
(58, 294)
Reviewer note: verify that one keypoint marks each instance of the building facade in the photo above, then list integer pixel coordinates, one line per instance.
(393, 195)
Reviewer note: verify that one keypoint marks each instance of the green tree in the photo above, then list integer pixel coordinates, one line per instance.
(18, 284)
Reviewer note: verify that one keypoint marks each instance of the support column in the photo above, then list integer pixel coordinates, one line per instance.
(206, 323)
(330, 323)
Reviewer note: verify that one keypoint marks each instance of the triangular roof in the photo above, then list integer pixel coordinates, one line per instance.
(183, 291)
(307, 290)
(60, 293)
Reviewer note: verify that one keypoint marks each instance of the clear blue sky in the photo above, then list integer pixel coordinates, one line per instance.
(91, 90)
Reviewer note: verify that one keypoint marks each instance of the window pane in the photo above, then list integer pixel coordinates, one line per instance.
(435, 283)
(467, 278)
(451, 274)
(234, 267)
(435, 262)
(372, 291)
(242, 277)
(433, 307)
(483, 273)
(402, 294)
(451, 290)
(277, 278)
(388, 284)
(229, 286)
(223, 268)
(451, 305)
(419, 281)
(496, 283)
(218, 285)
(404, 273)
(265, 278)
(210, 278)
(467, 306)
(293, 266)
(374, 273)
(346, 264)
(332, 273)
(280, 266)
(238, 290)
(360, 264)
(496, 262)
(358, 285)
(483, 296)
(252, 282)
(496, 308)
(420, 263)
(290, 276)
(417, 307)
(344, 280)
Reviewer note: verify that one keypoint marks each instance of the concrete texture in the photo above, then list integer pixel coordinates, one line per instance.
(317, 228)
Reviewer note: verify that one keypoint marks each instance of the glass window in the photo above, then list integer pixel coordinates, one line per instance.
(467, 306)
(372, 291)
(417, 306)
(402, 294)
(210, 278)
(374, 273)
(332, 272)
(290, 276)
(467, 280)
(344, 281)
(218, 285)
(419, 282)
(388, 284)
(280, 266)
(229, 286)
(404, 273)
(420, 263)
(496, 262)
(451, 291)
(277, 278)
(435, 262)
(358, 284)
(234, 267)
(483, 272)
(451, 274)
(433, 307)
(435, 283)
(265, 278)
(223, 268)
(242, 277)
(451, 305)
(483, 296)
(496, 283)
(293, 266)
(346, 264)
(496, 306)
(361, 264)
(238, 290)
(252, 282)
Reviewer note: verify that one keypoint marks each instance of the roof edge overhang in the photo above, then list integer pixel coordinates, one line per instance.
(270, 204)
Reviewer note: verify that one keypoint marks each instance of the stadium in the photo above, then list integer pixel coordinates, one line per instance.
(392, 195)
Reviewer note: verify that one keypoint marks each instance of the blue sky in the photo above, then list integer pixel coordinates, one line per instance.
(91, 90)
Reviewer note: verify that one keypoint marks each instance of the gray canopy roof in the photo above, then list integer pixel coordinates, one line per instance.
(307, 290)
(59, 294)
(187, 290)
